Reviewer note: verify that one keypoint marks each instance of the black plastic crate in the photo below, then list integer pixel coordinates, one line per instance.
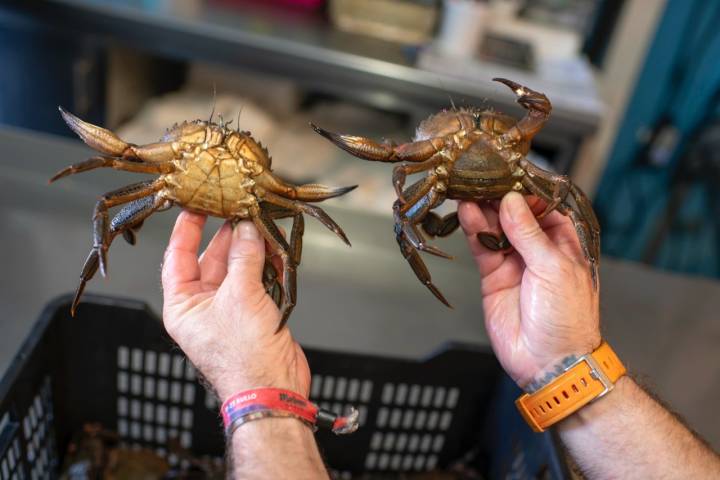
(115, 365)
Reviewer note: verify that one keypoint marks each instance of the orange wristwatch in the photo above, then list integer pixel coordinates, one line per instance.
(589, 378)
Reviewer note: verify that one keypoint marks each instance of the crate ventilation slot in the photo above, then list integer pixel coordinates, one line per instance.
(156, 393)
(34, 439)
(11, 456)
(338, 394)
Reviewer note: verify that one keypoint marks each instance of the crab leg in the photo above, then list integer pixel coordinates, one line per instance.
(270, 282)
(538, 107)
(130, 232)
(589, 241)
(130, 217)
(271, 233)
(101, 237)
(583, 217)
(105, 141)
(561, 185)
(587, 227)
(116, 163)
(585, 207)
(417, 191)
(494, 241)
(312, 210)
(410, 252)
(411, 241)
(421, 272)
(437, 226)
(384, 152)
(311, 192)
(270, 273)
(296, 233)
(407, 224)
(401, 172)
(283, 208)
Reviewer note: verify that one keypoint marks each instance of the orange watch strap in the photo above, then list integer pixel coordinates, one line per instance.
(589, 378)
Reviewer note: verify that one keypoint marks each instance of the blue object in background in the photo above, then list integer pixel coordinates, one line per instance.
(40, 69)
(518, 452)
(658, 198)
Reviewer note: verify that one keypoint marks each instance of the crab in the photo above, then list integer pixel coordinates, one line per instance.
(208, 168)
(472, 154)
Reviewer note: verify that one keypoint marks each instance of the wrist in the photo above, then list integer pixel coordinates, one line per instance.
(549, 370)
(591, 377)
(293, 441)
(597, 411)
(290, 427)
(232, 385)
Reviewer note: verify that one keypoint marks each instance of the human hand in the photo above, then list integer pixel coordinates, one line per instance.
(215, 307)
(541, 310)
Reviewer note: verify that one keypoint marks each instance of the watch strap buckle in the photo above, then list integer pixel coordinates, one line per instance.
(596, 372)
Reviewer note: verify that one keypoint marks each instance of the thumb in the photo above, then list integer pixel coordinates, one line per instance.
(246, 258)
(522, 229)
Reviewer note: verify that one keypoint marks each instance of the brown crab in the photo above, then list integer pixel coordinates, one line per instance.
(210, 169)
(472, 154)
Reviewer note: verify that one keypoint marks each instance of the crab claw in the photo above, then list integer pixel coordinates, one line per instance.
(359, 146)
(514, 86)
(314, 192)
(528, 98)
(95, 137)
(386, 151)
(538, 107)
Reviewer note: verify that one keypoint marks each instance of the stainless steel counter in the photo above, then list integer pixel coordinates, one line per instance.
(365, 299)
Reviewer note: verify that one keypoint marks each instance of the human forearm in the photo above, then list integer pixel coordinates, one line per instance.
(627, 434)
(542, 311)
(275, 448)
(216, 308)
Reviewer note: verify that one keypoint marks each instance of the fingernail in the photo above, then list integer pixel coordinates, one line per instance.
(516, 205)
(246, 231)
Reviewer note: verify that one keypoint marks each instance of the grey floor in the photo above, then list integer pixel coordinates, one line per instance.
(665, 327)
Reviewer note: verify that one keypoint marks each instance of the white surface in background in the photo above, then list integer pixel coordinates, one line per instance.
(462, 27)
(299, 154)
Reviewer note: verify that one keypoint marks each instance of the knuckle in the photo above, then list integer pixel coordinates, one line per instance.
(530, 231)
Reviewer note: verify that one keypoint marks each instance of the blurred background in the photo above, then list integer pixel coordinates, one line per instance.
(634, 86)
